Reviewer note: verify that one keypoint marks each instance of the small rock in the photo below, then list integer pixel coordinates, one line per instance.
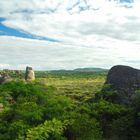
(5, 79)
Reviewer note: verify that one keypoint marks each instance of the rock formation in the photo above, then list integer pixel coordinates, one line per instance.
(125, 80)
(29, 75)
(5, 78)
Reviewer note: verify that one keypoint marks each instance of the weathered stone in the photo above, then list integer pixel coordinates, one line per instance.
(30, 75)
(125, 80)
(5, 78)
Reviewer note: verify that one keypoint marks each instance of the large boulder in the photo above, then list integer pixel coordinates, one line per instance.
(29, 75)
(125, 80)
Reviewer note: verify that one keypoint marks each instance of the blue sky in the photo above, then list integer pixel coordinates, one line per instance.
(67, 34)
(8, 31)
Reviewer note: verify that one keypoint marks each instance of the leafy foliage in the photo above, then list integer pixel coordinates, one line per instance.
(49, 130)
(66, 107)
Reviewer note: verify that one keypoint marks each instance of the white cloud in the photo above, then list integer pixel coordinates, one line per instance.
(104, 37)
(43, 55)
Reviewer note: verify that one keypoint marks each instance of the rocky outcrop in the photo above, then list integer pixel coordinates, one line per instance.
(29, 75)
(5, 78)
(125, 80)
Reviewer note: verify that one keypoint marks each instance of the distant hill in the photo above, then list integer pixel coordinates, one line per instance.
(90, 69)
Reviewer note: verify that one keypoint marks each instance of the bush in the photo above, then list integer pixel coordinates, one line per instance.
(50, 130)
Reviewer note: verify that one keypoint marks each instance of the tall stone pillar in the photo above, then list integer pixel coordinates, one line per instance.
(29, 75)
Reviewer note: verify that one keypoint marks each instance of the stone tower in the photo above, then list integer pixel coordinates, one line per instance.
(29, 75)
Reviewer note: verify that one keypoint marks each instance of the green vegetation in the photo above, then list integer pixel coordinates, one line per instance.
(66, 106)
(78, 85)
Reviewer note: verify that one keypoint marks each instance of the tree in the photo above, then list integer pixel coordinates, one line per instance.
(50, 130)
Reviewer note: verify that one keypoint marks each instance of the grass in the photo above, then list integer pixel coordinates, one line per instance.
(75, 84)
(79, 87)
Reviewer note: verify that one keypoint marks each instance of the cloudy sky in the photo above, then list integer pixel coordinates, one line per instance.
(67, 34)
